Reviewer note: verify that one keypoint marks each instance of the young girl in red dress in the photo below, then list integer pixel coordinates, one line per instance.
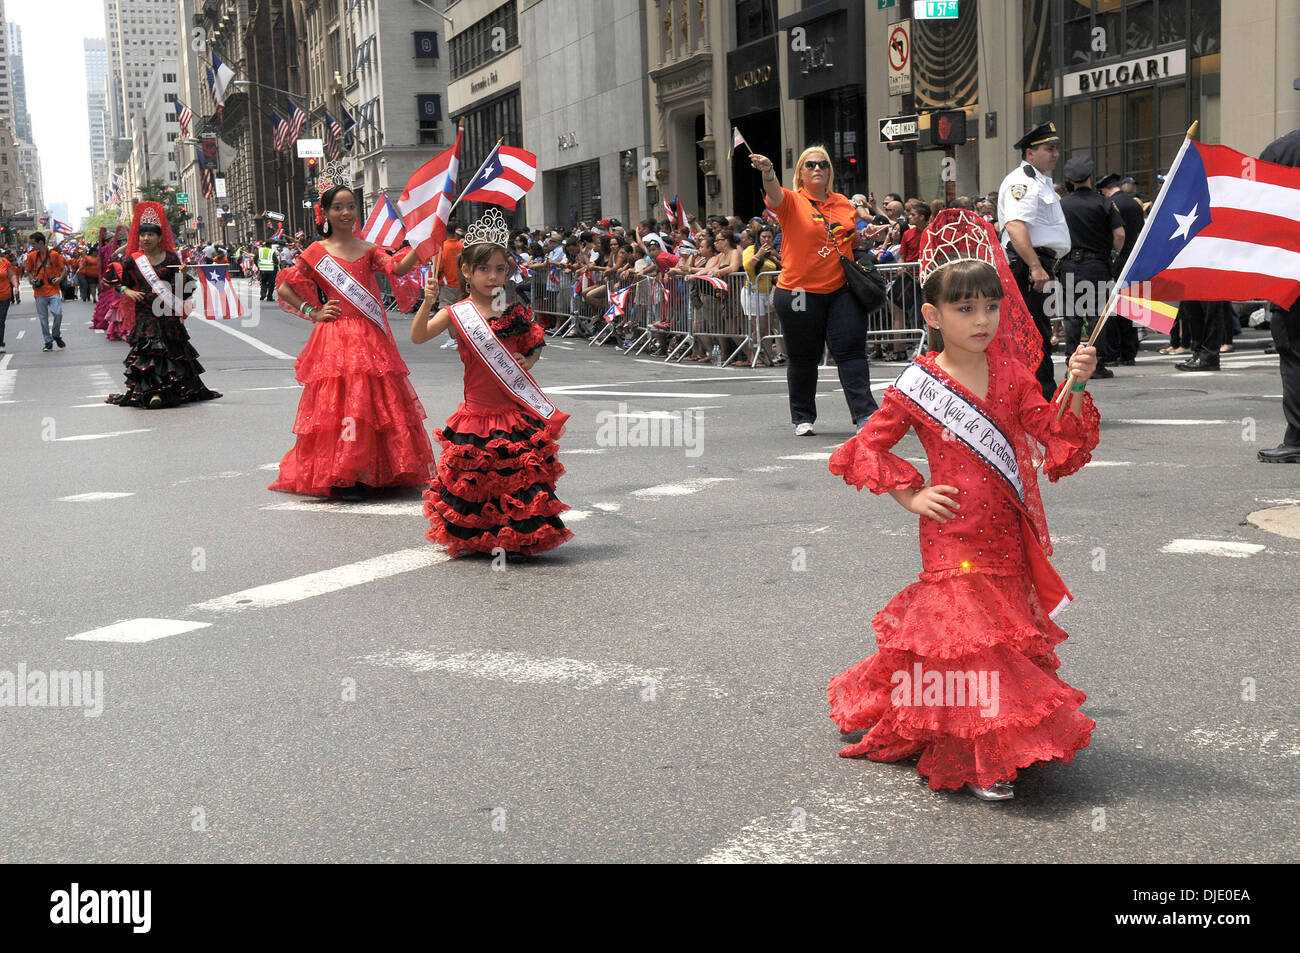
(495, 485)
(359, 423)
(965, 669)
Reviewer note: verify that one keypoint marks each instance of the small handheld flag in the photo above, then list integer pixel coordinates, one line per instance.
(506, 175)
(737, 140)
(220, 302)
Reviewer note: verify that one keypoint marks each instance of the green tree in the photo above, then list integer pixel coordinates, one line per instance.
(156, 191)
(110, 220)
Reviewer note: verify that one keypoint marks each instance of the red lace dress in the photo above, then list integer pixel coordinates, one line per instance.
(359, 420)
(974, 609)
(495, 482)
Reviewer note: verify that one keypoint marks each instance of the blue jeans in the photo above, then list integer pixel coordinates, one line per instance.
(45, 306)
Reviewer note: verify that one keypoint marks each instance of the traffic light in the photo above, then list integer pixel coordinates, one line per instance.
(948, 127)
(311, 165)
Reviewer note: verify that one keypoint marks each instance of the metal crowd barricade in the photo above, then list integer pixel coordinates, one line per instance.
(618, 327)
(897, 325)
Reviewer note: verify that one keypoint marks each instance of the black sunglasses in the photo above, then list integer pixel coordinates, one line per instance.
(816, 164)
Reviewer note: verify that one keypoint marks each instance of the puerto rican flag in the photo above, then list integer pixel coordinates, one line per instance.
(183, 117)
(60, 228)
(719, 283)
(1225, 227)
(670, 213)
(296, 120)
(220, 302)
(522, 261)
(506, 175)
(681, 220)
(279, 233)
(425, 203)
(384, 226)
(618, 304)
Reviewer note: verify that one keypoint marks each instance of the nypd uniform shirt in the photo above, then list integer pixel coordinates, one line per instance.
(1026, 195)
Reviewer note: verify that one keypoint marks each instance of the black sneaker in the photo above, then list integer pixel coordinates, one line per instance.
(48, 347)
(59, 342)
(1102, 374)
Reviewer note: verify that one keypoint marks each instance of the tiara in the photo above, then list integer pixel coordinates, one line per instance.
(489, 230)
(964, 238)
(149, 216)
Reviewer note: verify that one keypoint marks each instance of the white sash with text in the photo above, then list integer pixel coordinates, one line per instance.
(175, 306)
(475, 331)
(341, 280)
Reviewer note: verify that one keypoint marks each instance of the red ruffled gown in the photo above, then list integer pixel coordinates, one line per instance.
(495, 482)
(359, 420)
(974, 608)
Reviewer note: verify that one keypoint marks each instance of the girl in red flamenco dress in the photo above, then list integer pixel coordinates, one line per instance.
(965, 669)
(359, 423)
(495, 484)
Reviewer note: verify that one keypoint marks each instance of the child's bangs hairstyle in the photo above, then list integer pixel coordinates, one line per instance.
(961, 281)
(474, 257)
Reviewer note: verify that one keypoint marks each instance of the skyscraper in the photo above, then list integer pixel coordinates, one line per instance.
(96, 52)
(138, 33)
(18, 81)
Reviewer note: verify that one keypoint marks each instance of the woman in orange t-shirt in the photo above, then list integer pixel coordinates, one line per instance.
(813, 302)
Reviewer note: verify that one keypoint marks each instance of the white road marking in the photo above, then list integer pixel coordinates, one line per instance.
(269, 466)
(1276, 742)
(646, 415)
(326, 581)
(8, 378)
(1171, 422)
(577, 392)
(708, 407)
(102, 403)
(91, 497)
(223, 475)
(138, 630)
(20, 334)
(103, 436)
(100, 378)
(562, 347)
(681, 489)
(1211, 547)
(608, 507)
(585, 450)
(1108, 463)
(815, 455)
(519, 669)
(574, 516)
(769, 469)
(246, 338)
(283, 387)
(351, 509)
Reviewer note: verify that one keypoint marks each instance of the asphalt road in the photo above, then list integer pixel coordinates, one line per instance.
(652, 691)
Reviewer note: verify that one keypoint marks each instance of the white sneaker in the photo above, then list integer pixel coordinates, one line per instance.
(450, 345)
(804, 429)
(997, 791)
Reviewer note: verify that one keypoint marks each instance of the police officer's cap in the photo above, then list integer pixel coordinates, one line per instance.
(1079, 168)
(1040, 135)
(1106, 181)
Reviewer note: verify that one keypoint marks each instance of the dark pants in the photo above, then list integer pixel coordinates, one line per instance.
(1207, 326)
(1128, 338)
(1285, 326)
(1091, 287)
(267, 279)
(832, 320)
(1036, 302)
(4, 313)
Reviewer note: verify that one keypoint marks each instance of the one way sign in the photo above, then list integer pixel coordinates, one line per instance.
(899, 129)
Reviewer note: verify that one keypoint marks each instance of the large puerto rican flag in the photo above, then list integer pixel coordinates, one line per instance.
(384, 226)
(60, 228)
(1225, 227)
(220, 302)
(506, 175)
(425, 203)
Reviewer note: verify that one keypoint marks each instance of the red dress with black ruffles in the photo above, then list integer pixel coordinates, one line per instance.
(495, 482)
(974, 609)
(359, 420)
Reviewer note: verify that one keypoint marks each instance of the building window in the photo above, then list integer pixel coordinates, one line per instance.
(490, 37)
(426, 45)
(755, 19)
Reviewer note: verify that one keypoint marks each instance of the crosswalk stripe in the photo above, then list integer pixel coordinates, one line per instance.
(92, 497)
(138, 630)
(325, 581)
(246, 338)
(350, 509)
(1211, 547)
(681, 489)
(103, 436)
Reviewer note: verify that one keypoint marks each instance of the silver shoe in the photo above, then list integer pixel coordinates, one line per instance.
(997, 791)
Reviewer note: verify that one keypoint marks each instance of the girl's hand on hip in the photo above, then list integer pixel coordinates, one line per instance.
(937, 502)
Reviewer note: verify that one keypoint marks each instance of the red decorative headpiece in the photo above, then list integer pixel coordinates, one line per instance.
(320, 215)
(150, 213)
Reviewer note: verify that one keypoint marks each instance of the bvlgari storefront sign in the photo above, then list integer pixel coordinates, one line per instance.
(1117, 76)
(753, 82)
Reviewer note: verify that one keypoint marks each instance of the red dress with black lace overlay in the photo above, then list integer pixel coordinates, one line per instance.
(358, 420)
(496, 474)
(974, 609)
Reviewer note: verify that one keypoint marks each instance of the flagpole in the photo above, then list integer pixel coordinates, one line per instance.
(486, 160)
(1123, 275)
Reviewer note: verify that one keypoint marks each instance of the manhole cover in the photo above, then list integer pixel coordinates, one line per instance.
(1282, 520)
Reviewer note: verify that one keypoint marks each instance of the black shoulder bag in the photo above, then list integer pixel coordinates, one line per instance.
(864, 282)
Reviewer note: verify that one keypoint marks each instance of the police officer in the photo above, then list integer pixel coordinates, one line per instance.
(266, 268)
(1096, 233)
(1130, 210)
(1285, 327)
(1035, 231)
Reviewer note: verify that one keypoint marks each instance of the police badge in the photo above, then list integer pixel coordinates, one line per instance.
(1018, 191)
